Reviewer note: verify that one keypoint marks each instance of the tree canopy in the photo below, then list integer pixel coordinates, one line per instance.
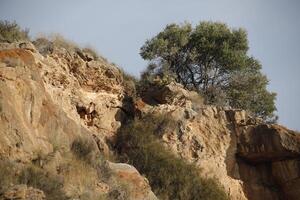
(212, 59)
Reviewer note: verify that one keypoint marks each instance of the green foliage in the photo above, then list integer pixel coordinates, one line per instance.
(169, 176)
(247, 89)
(11, 32)
(154, 77)
(208, 59)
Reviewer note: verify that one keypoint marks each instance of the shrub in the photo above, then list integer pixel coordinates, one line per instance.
(91, 51)
(47, 43)
(169, 176)
(7, 175)
(12, 173)
(61, 42)
(43, 45)
(37, 178)
(84, 149)
(129, 83)
(11, 32)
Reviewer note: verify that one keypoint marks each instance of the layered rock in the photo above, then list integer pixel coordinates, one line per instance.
(250, 159)
(50, 96)
(22, 192)
(39, 118)
(269, 158)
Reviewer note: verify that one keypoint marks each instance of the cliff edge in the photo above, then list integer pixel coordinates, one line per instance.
(60, 111)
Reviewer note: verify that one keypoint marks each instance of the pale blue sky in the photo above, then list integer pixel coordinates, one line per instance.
(118, 28)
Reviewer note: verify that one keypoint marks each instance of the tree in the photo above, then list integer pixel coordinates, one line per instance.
(247, 89)
(11, 31)
(211, 59)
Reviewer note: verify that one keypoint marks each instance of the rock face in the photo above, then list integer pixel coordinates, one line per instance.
(22, 192)
(172, 93)
(50, 96)
(40, 117)
(269, 157)
(251, 160)
(139, 185)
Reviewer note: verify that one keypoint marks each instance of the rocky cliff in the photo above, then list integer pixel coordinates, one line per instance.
(251, 159)
(61, 108)
(55, 110)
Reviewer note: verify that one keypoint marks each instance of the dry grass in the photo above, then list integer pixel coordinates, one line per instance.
(49, 183)
(8, 175)
(12, 173)
(169, 176)
(79, 176)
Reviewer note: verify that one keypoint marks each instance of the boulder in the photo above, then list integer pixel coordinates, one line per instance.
(138, 185)
(268, 143)
(172, 93)
(270, 162)
(27, 45)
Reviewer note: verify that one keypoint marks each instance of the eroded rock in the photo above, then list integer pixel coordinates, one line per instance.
(22, 192)
(39, 120)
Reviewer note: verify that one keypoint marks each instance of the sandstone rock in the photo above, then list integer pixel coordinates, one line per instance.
(39, 119)
(43, 108)
(274, 153)
(86, 56)
(22, 192)
(138, 186)
(256, 161)
(27, 46)
(6, 45)
(268, 143)
(206, 139)
(44, 46)
(172, 93)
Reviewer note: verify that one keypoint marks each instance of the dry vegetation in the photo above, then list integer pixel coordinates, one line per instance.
(11, 32)
(170, 177)
(14, 173)
(73, 174)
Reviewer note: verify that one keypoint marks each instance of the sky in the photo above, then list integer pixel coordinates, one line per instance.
(118, 28)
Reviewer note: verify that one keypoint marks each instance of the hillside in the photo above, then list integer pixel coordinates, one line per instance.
(63, 111)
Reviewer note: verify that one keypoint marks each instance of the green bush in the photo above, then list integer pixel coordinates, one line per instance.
(11, 32)
(169, 176)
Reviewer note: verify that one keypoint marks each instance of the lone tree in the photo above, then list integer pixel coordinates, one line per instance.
(211, 59)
